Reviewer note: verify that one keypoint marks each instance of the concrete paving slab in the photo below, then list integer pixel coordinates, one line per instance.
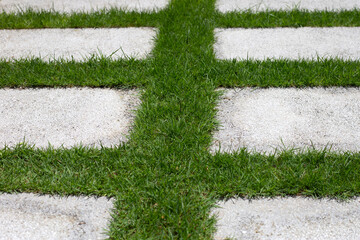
(288, 218)
(266, 119)
(77, 44)
(33, 217)
(263, 5)
(67, 6)
(288, 43)
(65, 117)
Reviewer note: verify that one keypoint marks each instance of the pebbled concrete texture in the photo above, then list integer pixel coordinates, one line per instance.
(77, 44)
(288, 43)
(33, 217)
(288, 218)
(69, 6)
(275, 118)
(65, 117)
(263, 5)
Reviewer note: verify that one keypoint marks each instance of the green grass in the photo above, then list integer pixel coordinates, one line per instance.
(58, 171)
(109, 19)
(92, 73)
(294, 18)
(286, 73)
(135, 73)
(308, 173)
(164, 179)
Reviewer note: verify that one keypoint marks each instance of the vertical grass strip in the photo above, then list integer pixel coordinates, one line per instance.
(172, 133)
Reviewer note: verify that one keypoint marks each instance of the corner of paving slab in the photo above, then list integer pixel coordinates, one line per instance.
(288, 218)
(77, 44)
(34, 217)
(66, 117)
(268, 119)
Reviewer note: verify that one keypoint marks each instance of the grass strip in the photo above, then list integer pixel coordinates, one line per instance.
(312, 173)
(286, 73)
(136, 73)
(104, 18)
(75, 171)
(172, 131)
(92, 73)
(294, 18)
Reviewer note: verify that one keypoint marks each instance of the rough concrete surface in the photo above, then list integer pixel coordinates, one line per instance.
(288, 218)
(77, 44)
(65, 117)
(263, 5)
(288, 43)
(266, 119)
(81, 5)
(29, 216)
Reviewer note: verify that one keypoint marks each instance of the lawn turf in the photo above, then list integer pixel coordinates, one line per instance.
(164, 179)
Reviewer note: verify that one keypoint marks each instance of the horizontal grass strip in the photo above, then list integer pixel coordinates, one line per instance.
(93, 73)
(286, 73)
(310, 173)
(103, 18)
(79, 170)
(294, 18)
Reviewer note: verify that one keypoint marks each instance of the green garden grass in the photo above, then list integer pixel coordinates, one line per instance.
(106, 18)
(96, 72)
(312, 173)
(286, 73)
(164, 179)
(294, 18)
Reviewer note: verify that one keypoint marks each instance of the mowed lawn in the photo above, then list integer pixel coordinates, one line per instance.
(164, 179)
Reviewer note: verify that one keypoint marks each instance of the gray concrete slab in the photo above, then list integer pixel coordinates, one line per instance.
(77, 44)
(68, 6)
(276, 118)
(33, 217)
(65, 117)
(288, 218)
(288, 43)
(263, 5)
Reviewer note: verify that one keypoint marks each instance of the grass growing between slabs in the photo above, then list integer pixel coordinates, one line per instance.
(312, 173)
(96, 72)
(128, 73)
(164, 179)
(294, 18)
(79, 170)
(286, 73)
(111, 18)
